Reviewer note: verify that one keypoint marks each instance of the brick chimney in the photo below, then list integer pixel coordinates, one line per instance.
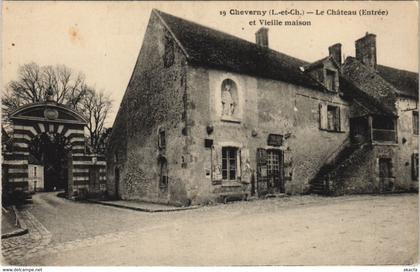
(261, 37)
(366, 50)
(335, 52)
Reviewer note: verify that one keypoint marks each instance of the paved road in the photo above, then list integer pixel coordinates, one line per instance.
(296, 230)
(69, 220)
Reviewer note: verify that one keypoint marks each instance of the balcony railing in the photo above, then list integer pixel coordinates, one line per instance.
(384, 135)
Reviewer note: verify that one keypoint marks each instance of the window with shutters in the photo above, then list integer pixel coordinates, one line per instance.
(329, 117)
(416, 122)
(333, 118)
(415, 166)
(229, 163)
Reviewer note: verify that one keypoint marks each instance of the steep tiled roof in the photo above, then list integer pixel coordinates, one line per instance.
(369, 86)
(319, 63)
(363, 103)
(406, 83)
(215, 49)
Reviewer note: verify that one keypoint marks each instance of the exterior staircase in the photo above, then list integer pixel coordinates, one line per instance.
(326, 180)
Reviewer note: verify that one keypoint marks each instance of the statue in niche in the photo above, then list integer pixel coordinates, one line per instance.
(228, 104)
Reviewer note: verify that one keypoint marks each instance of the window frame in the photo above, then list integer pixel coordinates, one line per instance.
(324, 123)
(415, 122)
(330, 76)
(229, 163)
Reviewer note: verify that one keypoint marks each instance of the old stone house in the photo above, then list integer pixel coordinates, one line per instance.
(383, 125)
(207, 115)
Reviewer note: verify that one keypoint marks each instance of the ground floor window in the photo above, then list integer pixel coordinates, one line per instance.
(163, 176)
(229, 162)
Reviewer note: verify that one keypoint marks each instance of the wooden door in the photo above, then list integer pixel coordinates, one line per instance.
(384, 174)
(275, 171)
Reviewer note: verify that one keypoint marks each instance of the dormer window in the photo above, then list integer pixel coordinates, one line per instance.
(326, 72)
(330, 80)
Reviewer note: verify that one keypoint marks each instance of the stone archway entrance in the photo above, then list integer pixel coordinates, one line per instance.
(51, 150)
(55, 134)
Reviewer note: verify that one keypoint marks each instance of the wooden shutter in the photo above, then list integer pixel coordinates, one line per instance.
(261, 156)
(287, 165)
(261, 171)
(246, 170)
(238, 164)
(323, 120)
(216, 163)
(337, 119)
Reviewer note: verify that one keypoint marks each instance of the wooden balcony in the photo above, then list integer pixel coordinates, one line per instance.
(374, 129)
(383, 129)
(384, 135)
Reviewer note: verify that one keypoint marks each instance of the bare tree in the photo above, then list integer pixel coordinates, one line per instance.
(33, 82)
(69, 88)
(95, 106)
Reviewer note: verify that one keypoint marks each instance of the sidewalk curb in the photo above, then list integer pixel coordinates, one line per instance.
(142, 209)
(23, 229)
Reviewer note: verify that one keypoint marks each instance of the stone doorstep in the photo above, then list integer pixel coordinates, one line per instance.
(136, 206)
(23, 229)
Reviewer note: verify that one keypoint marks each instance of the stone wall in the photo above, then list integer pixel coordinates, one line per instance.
(362, 175)
(265, 107)
(185, 102)
(154, 100)
(407, 143)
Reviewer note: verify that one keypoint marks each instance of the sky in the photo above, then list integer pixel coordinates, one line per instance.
(103, 39)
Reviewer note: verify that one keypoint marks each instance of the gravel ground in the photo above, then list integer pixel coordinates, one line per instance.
(306, 230)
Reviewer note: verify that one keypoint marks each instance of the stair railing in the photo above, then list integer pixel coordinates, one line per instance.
(330, 158)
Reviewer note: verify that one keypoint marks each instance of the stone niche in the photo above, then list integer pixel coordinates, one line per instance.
(229, 105)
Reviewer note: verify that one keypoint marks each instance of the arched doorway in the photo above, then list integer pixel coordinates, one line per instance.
(51, 151)
(54, 134)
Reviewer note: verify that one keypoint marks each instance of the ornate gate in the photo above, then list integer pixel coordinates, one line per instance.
(48, 119)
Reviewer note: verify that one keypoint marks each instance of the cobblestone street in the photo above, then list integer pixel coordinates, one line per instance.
(293, 230)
